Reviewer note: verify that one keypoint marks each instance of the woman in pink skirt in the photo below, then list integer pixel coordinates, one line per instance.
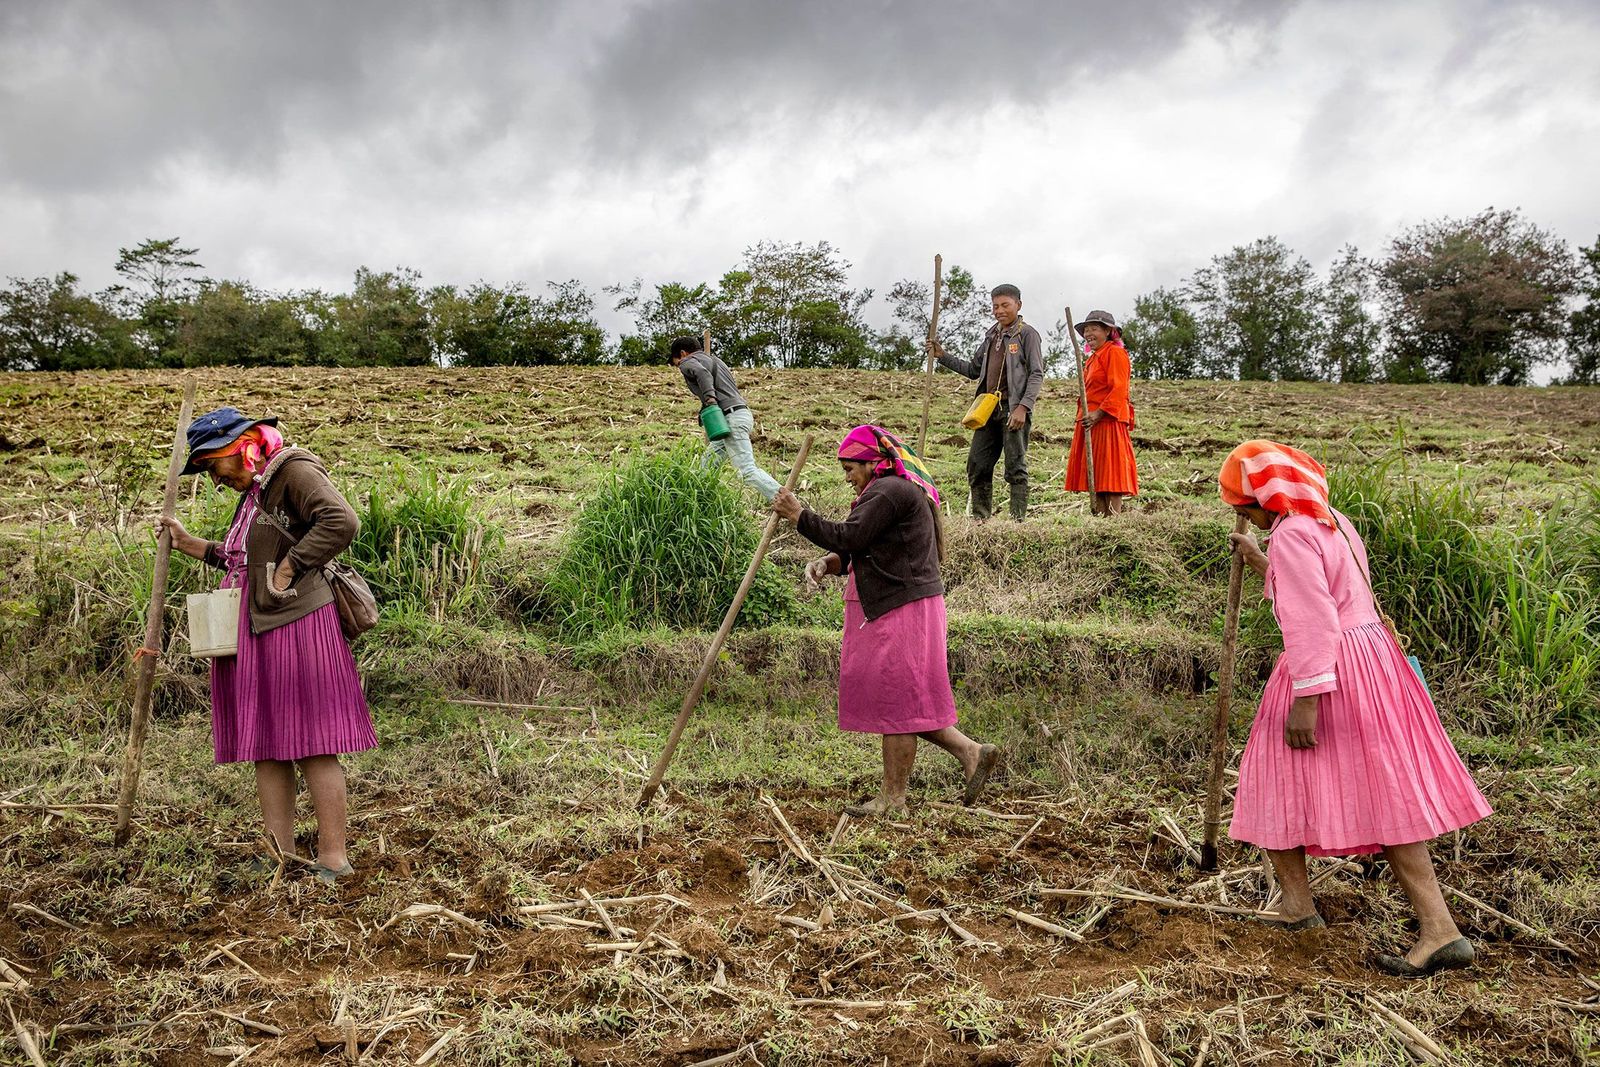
(1347, 755)
(894, 678)
(290, 696)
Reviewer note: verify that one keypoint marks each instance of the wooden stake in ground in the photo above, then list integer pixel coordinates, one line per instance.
(933, 339)
(697, 690)
(1219, 721)
(1083, 395)
(147, 654)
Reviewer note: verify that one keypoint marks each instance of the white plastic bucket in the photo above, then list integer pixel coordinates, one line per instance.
(214, 623)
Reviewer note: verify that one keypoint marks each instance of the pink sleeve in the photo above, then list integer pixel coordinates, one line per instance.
(1306, 611)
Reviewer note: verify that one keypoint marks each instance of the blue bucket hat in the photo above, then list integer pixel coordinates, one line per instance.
(217, 429)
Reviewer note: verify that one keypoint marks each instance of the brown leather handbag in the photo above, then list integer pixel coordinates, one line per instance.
(358, 608)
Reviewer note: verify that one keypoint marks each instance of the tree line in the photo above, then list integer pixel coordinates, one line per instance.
(1486, 299)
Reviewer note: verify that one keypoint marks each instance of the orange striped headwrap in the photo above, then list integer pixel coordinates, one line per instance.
(1277, 477)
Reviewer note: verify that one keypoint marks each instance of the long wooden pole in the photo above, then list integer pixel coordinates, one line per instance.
(696, 691)
(933, 339)
(1083, 396)
(150, 651)
(1224, 708)
(705, 342)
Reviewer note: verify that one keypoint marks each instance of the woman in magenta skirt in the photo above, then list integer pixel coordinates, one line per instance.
(894, 678)
(1347, 754)
(290, 696)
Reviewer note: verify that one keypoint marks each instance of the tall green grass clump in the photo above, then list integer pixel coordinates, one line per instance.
(663, 542)
(1430, 570)
(1513, 609)
(423, 548)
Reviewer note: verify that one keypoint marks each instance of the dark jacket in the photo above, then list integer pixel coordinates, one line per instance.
(295, 488)
(1023, 351)
(889, 540)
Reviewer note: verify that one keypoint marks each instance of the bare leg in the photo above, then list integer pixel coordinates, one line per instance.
(275, 791)
(899, 753)
(958, 744)
(1113, 505)
(1293, 883)
(325, 780)
(1413, 869)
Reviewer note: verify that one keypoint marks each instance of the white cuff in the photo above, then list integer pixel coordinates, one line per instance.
(1321, 679)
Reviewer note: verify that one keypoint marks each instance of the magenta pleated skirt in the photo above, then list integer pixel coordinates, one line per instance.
(289, 693)
(894, 677)
(1383, 772)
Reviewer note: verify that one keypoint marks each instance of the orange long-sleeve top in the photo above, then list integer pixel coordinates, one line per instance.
(1107, 377)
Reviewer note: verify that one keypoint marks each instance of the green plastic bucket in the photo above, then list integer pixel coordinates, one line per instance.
(715, 424)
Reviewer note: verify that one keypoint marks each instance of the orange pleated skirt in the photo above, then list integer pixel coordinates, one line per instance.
(1115, 470)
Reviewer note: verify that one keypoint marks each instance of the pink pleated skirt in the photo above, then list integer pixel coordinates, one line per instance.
(894, 677)
(1383, 772)
(289, 693)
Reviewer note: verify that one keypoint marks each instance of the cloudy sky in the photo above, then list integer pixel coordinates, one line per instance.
(1085, 151)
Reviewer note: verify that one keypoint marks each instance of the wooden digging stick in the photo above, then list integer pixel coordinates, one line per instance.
(933, 339)
(697, 690)
(705, 342)
(1219, 721)
(147, 654)
(1083, 395)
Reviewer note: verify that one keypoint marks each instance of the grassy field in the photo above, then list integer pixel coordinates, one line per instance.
(1084, 648)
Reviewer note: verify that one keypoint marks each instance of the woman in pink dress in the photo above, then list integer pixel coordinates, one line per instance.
(1347, 754)
(290, 696)
(894, 678)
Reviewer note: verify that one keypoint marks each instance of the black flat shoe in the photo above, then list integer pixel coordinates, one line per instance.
(1457, 953)
(1310, 922)
(988, 756)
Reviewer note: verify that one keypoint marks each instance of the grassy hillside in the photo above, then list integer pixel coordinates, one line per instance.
(1085, 648)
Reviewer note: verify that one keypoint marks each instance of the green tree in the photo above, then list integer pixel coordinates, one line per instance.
(1351, 349)
(965, 313)
(673, 310)
(47, 324)
(160, 276)
(1258, 310)
(381, 322)
(1478, 300)
(895, 349)
(235, 324)
(1583, 325)
(487, 326)
(790, 305)
(1163, 337)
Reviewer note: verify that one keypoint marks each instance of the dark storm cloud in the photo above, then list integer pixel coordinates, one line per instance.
(98, 94)
(703, 71)
(102, 95)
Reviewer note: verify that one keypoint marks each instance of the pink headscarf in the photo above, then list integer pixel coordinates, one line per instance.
(869, 444)
(257, 445)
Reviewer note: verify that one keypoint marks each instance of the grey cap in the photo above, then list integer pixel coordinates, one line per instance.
(1104, 318)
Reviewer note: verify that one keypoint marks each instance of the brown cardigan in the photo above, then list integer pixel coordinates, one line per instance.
(888, 539)
(295, 488)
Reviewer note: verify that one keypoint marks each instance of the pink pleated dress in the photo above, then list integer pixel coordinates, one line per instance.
(1382, 772)
(291, 692)
(894, 677)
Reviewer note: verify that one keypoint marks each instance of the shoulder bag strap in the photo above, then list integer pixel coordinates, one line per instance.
(1366, 576)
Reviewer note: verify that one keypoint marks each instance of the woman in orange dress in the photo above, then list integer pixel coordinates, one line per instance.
(1106, 378)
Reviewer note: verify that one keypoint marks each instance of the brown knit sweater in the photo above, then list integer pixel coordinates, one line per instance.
(890, 542)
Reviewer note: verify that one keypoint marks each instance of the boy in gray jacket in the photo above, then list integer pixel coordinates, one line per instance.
(1009, 361)
(711, 382)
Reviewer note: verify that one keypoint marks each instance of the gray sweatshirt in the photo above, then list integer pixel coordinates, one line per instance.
(707, 375)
